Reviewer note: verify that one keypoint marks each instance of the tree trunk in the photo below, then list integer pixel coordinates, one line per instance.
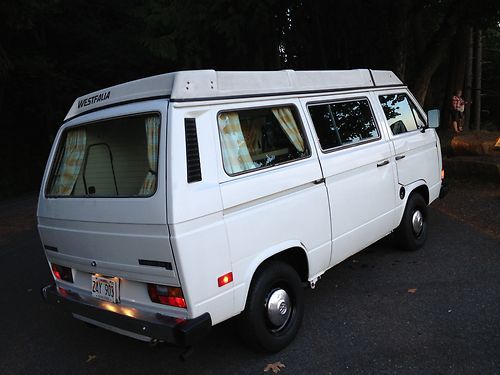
(461, 59)
(477, 80)
(436, 50)
(401, 38)
(316, 14)
(5, 67)
(468, 76)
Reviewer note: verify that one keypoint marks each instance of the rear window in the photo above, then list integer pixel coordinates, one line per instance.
(111, 158)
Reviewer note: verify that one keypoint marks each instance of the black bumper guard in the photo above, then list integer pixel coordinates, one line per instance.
(182, 332)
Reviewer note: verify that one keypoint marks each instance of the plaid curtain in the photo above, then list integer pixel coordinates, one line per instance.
(152, 125)
(71, 163)
(235, 154)
(288, 124)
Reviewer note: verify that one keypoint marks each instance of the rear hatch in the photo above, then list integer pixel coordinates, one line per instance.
(102, 207)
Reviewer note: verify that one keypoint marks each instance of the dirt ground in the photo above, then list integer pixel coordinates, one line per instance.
(475, 203)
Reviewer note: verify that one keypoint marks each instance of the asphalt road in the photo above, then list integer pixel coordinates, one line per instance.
(360, 319)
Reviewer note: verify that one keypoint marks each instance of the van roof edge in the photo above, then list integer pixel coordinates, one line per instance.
(195, 85)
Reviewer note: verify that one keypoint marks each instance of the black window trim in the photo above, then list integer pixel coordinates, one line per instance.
(415, 109)
(59, 154)
(297, 117)
(343, 100)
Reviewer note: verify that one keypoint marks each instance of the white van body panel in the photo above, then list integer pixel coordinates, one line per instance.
(197, 229)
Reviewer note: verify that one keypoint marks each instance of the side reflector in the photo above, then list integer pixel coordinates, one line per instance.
(225, 279)
(442, 174)
(62, 273)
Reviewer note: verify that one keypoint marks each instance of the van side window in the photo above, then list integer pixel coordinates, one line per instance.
(343, 123)
(401, 114)
(259, 138)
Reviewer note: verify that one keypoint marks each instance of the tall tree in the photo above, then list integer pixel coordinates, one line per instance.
(478, 57)
(468, 76)
(437, 49)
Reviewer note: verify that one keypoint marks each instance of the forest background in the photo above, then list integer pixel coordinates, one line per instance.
(52, 51)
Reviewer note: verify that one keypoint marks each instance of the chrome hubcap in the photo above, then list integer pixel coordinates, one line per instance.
(278, 307)
(417, 222)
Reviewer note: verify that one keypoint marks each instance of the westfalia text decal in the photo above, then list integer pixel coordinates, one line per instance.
(94, 99)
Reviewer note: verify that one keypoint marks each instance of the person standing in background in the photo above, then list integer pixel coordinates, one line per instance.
(457, 111)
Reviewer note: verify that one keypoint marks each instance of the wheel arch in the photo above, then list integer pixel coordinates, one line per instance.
(294, 254)
(417, 187)
(423, 190)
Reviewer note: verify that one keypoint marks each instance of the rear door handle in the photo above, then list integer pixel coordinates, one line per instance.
(382, 163)
(399, 157)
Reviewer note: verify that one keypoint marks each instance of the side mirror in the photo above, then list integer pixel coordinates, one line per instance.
(433, 118)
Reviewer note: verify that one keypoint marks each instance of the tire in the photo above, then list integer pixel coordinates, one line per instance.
(412, 232)
(274, 308)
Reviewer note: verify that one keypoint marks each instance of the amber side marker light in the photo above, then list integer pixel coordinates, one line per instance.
(442, 174)
(225, 279)
(62, 273)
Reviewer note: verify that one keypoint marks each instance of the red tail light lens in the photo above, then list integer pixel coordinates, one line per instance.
(167, 295)
(62, 273)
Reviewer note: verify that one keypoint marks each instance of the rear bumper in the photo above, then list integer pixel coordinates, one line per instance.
(182, 332)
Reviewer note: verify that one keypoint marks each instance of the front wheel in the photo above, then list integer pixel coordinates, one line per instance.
(412, 232)
(274, 308)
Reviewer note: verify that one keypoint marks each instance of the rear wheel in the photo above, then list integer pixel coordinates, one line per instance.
(412, 232)
(274, 308)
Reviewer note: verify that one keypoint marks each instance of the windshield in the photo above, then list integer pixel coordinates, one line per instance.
(111, 158)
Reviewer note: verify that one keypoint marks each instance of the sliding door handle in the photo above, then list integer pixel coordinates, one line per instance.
(320, 181)
(382, 163)
(399, 157)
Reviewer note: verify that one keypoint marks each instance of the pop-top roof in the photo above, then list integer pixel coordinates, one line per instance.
(194, 85)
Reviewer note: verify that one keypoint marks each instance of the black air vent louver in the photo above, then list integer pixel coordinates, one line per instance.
(192, 152)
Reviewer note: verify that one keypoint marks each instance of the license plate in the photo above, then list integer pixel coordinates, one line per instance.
(106, 288)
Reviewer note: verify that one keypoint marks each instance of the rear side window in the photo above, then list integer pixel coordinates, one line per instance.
(260, 138)
(401, 113)
(343, 123)
(111, 158)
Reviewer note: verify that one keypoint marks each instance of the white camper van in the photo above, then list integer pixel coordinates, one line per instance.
(172, 203)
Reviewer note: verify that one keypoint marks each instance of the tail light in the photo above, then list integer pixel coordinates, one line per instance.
(62, 273)
(167, 295)
(442, 174)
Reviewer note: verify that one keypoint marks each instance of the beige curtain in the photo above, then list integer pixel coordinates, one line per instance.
(152, 125)
(288, 124)
(235, 154)
(71, 163)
